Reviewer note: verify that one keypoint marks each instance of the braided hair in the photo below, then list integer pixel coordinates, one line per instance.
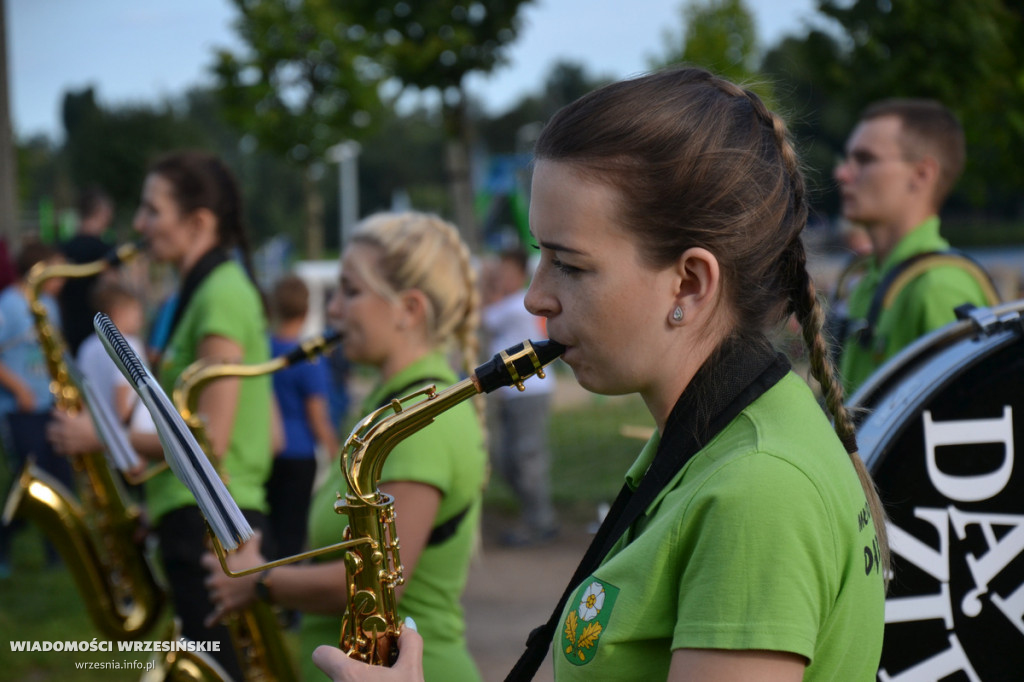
(423, 252)
(704, 163)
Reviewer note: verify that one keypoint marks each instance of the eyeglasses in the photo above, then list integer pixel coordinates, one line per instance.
(861, 159)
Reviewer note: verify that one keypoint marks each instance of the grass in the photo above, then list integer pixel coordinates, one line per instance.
(41, 604)
(590, 455)
(37, 603)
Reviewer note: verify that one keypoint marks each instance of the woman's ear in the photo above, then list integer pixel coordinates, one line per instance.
(412, 309)
(698, 283)
(204, 223)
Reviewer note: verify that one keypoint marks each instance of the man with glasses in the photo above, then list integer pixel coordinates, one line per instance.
(901, 162)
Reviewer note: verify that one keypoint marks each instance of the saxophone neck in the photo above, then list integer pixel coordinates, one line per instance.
(377, 435)
(66, 394)
(51, 342)
(195, 377)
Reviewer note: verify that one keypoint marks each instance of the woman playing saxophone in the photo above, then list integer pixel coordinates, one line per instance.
(190, 215)
(407, 294)
(748, 540)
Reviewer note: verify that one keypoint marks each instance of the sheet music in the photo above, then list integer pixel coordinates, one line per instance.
(184, 456)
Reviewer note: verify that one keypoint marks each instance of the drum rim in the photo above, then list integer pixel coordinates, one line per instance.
(889, 417)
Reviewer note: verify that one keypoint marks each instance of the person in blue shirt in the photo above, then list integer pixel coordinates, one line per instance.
(302, 398)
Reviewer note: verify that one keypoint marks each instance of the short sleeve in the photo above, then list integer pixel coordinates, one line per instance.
(216, 315)
(759, 558)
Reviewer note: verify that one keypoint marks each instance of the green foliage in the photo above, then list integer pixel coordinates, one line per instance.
(112, 147)
(719, 35)
(303, 83)
(810, 89)
(509, 133)
(967, 55)
(435, 44)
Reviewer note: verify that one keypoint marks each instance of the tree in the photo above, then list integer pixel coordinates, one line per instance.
(113, 147)
(434, 46)
(306, 82)
(719, 35)
(809, 82)
(8, 176)
(967, 55)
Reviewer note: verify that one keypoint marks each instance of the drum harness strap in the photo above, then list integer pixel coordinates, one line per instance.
(734, 377)
(906, 272)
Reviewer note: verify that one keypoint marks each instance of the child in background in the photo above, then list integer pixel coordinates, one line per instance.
(301, 392)
(25, 397)
(124, 309)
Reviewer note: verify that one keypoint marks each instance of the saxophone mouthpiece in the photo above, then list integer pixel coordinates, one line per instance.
(124, 253)
(514, 365)
(312, 347)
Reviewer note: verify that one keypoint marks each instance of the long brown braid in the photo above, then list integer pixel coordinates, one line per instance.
(704, 163)
(805, 305)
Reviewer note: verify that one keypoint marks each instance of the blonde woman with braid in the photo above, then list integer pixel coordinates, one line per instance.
(407, 298)
(748, 541)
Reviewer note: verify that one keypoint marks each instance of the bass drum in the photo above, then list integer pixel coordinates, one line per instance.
(937, 431)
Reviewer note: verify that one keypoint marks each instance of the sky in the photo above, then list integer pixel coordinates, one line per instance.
(144, 51)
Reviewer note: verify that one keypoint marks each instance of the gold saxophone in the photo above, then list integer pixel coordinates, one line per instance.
(255, 632)
(373, 569)
(99, 536)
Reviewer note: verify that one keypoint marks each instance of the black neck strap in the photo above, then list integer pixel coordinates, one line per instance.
(193, 278)
(739, 372)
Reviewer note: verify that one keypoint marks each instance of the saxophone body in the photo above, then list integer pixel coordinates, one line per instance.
(255, 632)
(373, 567)
(98, 534)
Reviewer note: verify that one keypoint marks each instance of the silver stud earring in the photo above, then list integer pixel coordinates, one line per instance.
(677, 314)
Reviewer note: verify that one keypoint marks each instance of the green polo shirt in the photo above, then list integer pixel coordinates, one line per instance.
(449, 455)
(225, 304)
(761, 541)
(923, 305)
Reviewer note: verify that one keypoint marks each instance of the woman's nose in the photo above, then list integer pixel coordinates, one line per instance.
(537, 301)
(335, 307)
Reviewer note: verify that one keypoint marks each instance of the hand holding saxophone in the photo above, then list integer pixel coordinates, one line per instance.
(408, 668)
(232, 594)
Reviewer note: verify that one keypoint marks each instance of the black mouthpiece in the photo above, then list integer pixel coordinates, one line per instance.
(514, 365)
(307, 349)
(116, 257)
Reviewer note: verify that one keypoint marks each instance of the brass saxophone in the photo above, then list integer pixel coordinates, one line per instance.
(255, 632)
(373, 569)
(98, 535)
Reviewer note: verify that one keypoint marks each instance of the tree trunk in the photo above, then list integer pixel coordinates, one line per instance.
(460, 178)
(314, 216)
(8, 159)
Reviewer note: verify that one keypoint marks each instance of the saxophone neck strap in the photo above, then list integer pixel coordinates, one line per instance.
(739, 372)
(206, 264)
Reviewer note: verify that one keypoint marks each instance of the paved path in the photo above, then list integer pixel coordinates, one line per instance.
(511, 591)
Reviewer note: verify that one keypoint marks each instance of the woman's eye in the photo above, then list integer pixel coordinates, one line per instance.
(565, 268)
